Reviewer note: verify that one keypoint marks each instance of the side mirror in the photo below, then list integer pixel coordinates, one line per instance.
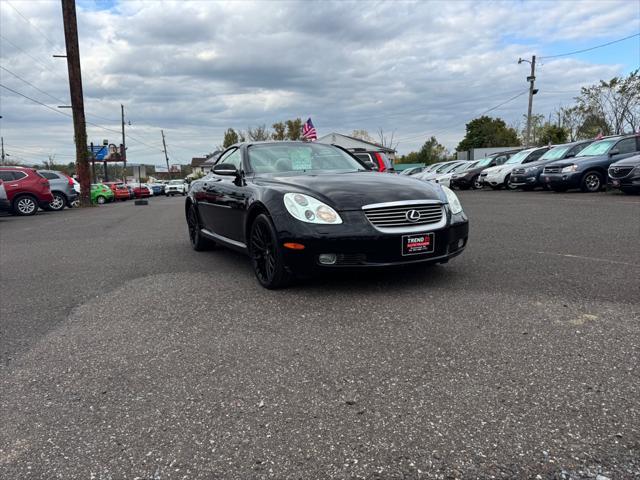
(613, 152)
(371, 165)
(227, 169)
(571, 155)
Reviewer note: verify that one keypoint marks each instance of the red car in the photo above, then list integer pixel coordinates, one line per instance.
(26, 190)
(119, 189)
(141, 191)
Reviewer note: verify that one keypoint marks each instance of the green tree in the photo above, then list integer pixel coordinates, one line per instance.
(551, 134)
(279, 131)
(230, 137)
(488, 132)
(258, 134)
(294, 129)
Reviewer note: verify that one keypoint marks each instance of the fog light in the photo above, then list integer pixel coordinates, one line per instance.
(327, 258)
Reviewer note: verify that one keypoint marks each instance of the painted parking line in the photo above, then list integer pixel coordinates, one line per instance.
(593, 259)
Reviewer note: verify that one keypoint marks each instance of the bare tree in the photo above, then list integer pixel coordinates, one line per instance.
(362, 135)
(385, 140)
(258, 134)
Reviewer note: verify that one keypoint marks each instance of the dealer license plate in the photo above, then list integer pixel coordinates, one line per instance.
(615, 183)
(418, 243)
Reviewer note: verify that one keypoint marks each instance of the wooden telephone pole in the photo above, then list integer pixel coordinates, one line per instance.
(164, 145)
(77, 100)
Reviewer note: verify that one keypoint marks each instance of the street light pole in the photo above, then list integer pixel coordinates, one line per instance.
(532, 91)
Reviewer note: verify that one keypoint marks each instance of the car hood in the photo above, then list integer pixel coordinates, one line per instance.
(497, 168)
(350, 191)
(628, 162)
(576, 160)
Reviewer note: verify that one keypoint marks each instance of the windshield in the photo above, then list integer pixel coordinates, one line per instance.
(176, 182)
(598, 148)
(484, 162)
(556, 153)
(462, 166)
(518, 157)
(314, 157)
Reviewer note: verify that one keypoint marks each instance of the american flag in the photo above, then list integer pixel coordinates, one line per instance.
(309, 131)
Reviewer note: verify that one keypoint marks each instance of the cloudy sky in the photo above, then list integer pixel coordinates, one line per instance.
(196, 68)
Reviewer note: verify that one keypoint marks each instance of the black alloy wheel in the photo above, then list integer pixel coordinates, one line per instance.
(266, 255)
(198, 241)
(591, 182)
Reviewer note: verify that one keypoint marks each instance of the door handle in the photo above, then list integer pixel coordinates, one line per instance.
(14, 185)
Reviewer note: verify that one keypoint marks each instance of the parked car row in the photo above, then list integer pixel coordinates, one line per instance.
(588, 165)
(24, 190)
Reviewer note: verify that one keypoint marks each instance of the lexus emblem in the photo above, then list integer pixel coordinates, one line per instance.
(413, 216)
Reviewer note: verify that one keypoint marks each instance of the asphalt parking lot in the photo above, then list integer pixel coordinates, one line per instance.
(125, 354)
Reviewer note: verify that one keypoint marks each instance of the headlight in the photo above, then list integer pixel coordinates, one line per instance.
(531, 169)
(310, 210)
(452, 198)
(569, 168)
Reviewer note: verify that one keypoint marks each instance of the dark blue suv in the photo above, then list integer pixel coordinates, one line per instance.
(588, 169)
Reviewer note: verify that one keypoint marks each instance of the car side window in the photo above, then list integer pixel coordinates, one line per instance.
(234, 158)
(500, 160)
(534, 156)
(6, 176)
(628, 145)
(365, 157)
(49, 175)
(19, 175)
(575, 150)
(223, 158)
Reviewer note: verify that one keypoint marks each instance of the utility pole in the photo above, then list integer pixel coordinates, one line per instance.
(164, 146)
(532, 91)
(2, 142)
(124, 148)
(77, 101)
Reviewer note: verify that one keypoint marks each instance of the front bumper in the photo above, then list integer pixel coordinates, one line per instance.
(461, 182)
(494, 180)
(631, 182)
(562, 180)
(524, 180)
(360, 245)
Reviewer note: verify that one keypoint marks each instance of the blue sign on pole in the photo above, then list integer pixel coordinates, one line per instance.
(99, 151)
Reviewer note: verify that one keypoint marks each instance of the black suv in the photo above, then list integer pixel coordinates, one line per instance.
(470, 178)
(588, 170)
(527, 177)
(625, 174)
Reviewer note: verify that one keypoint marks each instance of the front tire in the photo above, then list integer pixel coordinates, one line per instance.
(508, 184)
(266, 254)
(591, 182)
(25, 205)
(58, 203)
(477, 185)
(198, 241)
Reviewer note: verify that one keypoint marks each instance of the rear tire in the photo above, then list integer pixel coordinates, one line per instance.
(25, 205)
(591, 182)
(58, 203)
(266, 254)
(198, 241)
(101, 200)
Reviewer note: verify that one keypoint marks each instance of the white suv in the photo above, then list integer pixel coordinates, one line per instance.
(498, 176)
(175, 187)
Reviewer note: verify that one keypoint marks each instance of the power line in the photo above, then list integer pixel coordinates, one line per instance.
(69, 116)
(26, 53)
(49, 41)
(592, 48)
(32, 85)
(458, 123)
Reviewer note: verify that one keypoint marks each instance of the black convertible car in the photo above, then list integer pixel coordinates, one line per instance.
(295, 207)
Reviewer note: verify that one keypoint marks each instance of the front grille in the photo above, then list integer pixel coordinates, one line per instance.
(619, 172)
(351, 259)
(552, 169)
(518, 171)
(397, 216)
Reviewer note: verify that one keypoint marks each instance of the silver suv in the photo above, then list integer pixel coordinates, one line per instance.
(62, 189)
